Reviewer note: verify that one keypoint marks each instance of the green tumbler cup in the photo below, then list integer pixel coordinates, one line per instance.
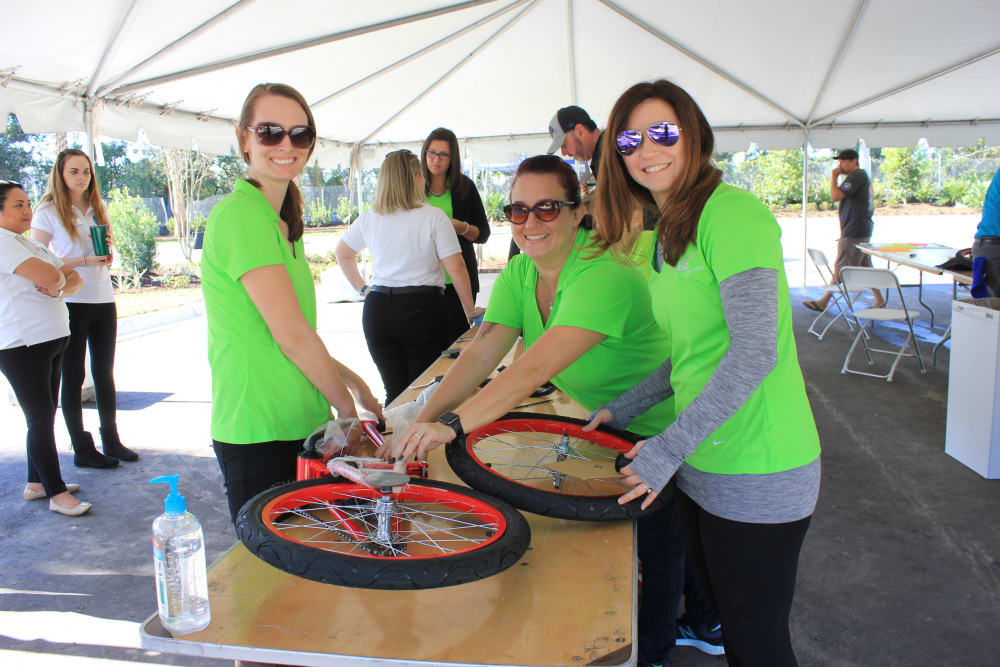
(98, 234)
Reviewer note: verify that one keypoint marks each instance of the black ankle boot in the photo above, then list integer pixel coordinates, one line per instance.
(114, 447)
(85, 454)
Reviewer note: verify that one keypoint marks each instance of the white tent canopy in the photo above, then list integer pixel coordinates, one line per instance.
(381, 75)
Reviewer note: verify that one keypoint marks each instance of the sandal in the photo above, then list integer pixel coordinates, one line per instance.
(812, 305)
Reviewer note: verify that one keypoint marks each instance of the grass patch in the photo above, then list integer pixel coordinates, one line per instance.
(151, 299)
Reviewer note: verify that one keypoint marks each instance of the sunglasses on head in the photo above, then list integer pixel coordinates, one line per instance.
(665, 134)
(272, 134)
(546, 210)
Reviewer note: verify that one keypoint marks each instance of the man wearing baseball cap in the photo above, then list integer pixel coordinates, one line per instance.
(575, 134)
(856, 206)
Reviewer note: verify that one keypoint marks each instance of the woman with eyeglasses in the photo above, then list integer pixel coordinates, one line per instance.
(71, 206)
(405, 318)
(34, 328)
(273, 380)
(744, 448)
(448, 189)
(587, 326)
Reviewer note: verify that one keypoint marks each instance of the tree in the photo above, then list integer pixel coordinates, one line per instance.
(222, 175)
(186, 171)
(18, 159)
(904, 169)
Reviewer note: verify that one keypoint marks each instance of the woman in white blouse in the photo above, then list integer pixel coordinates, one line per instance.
(405, 318)
(34, 327)
(71, 206)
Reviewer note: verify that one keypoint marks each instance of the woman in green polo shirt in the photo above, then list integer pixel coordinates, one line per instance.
(744, 447)
(273, 380)
(587, 327)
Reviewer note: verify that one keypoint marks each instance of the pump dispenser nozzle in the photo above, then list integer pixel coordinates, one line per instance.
(174, 503)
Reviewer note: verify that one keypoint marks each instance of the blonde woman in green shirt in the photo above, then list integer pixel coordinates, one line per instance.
(273, 380)
(744, 447)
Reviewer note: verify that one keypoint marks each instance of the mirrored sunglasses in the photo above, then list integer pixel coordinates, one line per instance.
(272, 134)
(546, 210)
(665, 134)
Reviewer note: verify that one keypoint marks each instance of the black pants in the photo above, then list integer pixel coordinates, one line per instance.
(748, 570)
(94, 325)
(33, 373)
(457, 324)
(406, 333)
(989, 249)
(661, 553)
(249, 469)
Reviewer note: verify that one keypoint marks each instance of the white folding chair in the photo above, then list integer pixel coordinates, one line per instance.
(858, 279)
(839, 299)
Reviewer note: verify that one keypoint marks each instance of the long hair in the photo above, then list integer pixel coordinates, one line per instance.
(555, 165)
(397, 186)
(291, 207)
(678, 223)
(453, 177)
(58, 196)
(5, 188)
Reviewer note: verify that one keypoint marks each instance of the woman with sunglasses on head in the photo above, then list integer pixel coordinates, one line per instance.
(273, 380)
(448, 189)
(744, 448)
(405, 315)
(34, 328)
(587, 327)
(69, 209)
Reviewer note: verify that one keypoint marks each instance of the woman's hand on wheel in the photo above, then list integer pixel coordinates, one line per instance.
(639, 488)
(369, 403)
(602, 416)
(420, 438)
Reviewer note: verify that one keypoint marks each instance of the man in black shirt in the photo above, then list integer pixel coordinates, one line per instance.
(854, 195)
(574, 133)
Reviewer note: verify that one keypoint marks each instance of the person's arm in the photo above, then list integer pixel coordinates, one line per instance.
(470, 209)
(465, 230)
(347, 260)
(271, 291)
(556, 349)
(455, 266)
(362, 392)
(620, 412)
(836, 194)
(43, 237)
(750, 306)
(45, 276)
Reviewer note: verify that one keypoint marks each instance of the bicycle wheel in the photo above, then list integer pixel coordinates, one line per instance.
(329, 530)
(548, 465)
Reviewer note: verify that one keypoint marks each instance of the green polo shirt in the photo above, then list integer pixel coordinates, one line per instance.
(443, 202)
(258, 394)
(602, 295)
(774, 430)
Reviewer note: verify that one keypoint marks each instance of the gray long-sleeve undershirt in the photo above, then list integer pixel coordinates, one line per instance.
(750, 307)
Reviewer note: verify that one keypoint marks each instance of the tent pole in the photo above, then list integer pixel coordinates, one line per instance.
(805, 202)
(572, 51)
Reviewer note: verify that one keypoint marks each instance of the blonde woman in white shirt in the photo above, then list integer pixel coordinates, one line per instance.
(34, 327)
(405, 318)
(70, 207)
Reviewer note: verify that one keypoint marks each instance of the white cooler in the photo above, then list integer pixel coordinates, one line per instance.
(973, 429)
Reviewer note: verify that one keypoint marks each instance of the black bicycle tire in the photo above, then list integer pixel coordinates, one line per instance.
(382, 573)
(538, 501)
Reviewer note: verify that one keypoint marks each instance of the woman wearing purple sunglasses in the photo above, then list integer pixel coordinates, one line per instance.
(744, 448)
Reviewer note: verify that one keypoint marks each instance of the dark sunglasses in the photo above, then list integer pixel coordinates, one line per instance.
(546, 210)
(272, 134)
(439, 156)
(665, 134)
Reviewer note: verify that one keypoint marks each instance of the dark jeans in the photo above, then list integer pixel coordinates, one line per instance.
(33, 373)
(989, 249)
(94, 325)
(406, 333)
(748, 570)
(249, 469)
(457, 324)
(661, 552)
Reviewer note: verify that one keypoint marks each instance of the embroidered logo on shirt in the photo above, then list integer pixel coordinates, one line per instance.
(717, 442)
(684, 266)
(845, 186)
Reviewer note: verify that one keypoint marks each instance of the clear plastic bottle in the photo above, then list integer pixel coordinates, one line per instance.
(179, 560)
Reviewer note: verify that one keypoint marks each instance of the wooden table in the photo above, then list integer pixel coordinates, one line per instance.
(571, 600)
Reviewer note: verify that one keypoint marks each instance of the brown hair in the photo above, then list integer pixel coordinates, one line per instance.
(291, 207)
(57, 193)
(678, 223)
(397, 187)
(453, 178)
(5, 188)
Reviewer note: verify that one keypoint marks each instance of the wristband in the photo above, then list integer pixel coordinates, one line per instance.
(59, 292)
(466, 230)
(364, 290)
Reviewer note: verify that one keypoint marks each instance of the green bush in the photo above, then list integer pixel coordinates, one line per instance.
(171, 225)
(494, 206)
(135, 228)
(926, 192)
(952, 192)
(346, 210)
(975, 191)
(905, 168)
(318, 214)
